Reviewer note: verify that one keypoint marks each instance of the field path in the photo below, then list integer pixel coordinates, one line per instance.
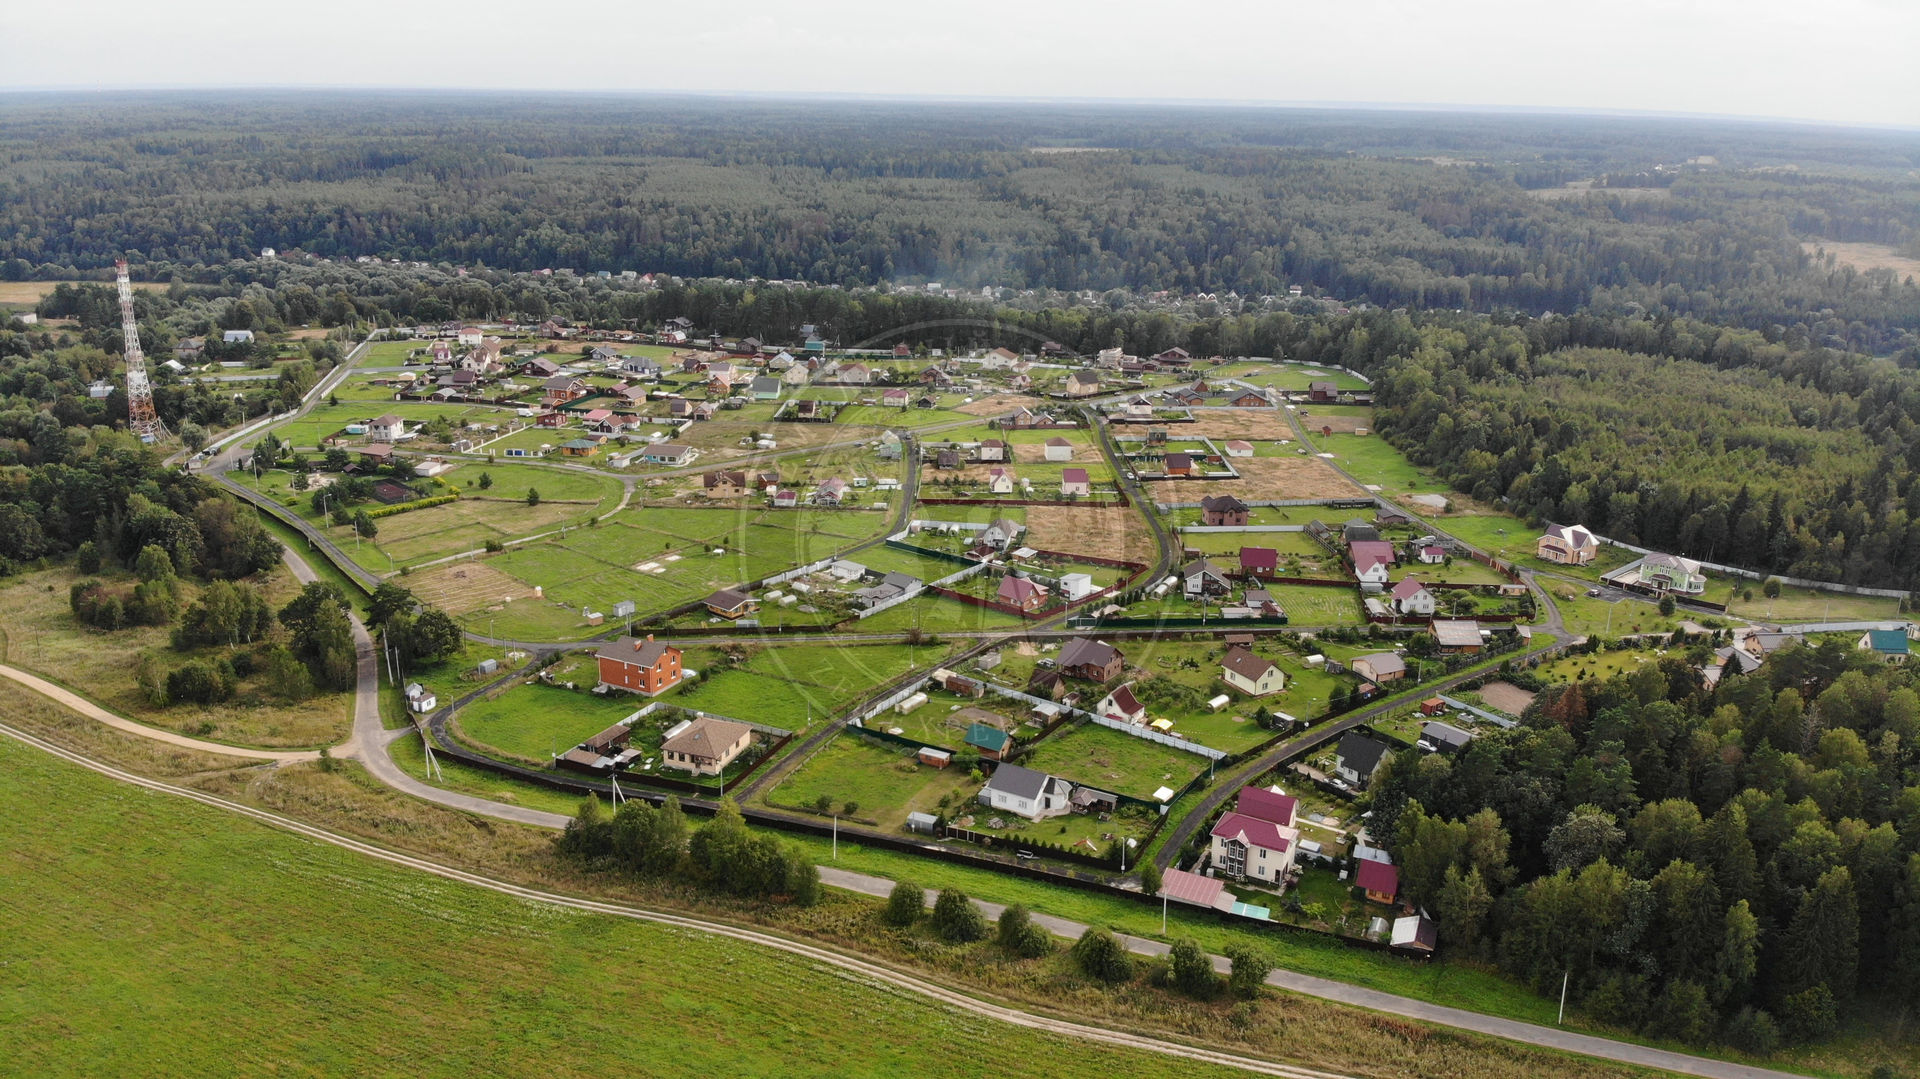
(93, 711)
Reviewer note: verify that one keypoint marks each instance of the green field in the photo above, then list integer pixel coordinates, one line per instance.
(345, 974)
(534, 722)
(1109, 760)
(885, 783)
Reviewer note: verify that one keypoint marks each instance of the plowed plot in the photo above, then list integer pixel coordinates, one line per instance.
(1104, 532)
(1339, 425)
(465, 587)
(999, 405)
(1252, 423)
(1266, 479)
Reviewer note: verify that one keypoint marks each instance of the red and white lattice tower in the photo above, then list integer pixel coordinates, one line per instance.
(142, 420)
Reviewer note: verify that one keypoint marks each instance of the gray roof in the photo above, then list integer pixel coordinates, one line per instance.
(1011, 779)
(1086, 651)
(634, 650)
(1445, 734)
(1360, 753)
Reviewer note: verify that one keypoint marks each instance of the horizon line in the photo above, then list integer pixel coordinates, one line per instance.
(1459, 108)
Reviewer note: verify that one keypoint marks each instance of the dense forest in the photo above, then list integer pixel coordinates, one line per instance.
(1441, 211)
(1740, 863)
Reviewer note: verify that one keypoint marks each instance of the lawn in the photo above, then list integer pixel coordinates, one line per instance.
(1308, 605)
(938, 614)
(345, 974)
(1515, 540)
(1109, 760)
(884, 782)
(1812, 605)
(532, 722)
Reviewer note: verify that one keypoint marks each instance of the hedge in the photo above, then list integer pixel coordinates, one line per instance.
(416, 504)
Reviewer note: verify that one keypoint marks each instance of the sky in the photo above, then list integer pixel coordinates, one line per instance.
(1839, 61)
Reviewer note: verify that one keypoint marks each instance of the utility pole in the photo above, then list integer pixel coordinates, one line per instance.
(1564, 978)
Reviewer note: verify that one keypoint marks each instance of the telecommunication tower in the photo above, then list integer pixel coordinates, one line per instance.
(142, 420)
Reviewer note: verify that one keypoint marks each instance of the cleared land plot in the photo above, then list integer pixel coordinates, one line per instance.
(1117, 532)
(1307, 605)
(1858, 256)
(1373, 460)
(1811, 605)
(377, 980)
(1514, 540)
(938, 614)
(1109, 760)
(1001, 404)
(1290, 545)
(533, 722)
(1505, 697)
(884, 782)
(1243, 423)
(1264, 479)
(330, 420)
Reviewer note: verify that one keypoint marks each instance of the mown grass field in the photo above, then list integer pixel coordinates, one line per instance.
(885, 783)
(352, 967)
(1107, 759)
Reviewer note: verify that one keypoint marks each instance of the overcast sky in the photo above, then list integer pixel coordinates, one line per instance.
(1850, 61)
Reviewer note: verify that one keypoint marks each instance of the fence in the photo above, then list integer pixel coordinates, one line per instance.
(1282, 503)
(1756, 575)
(782, 578)
(1151, 735)
(1241, 528)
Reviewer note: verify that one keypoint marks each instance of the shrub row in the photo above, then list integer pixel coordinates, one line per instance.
(416, 504)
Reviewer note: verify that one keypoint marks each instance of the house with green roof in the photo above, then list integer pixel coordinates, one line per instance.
(1889, 644)
(991, 742)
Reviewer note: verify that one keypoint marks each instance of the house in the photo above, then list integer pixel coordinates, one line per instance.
(1322, 392)
(420, 698)
(1122, 705)
(579, 447)
(764, 388)
(1358, 757)
(934, 376)
(1431, 554)
(1251, 674)
(639, 665)
(189, 350)
(1000, 481)
(388, 428)
(731, 603)
(1671, 573)
(1074, 481)
(643, 367)
(1380, 667)
(560, 389)
(993, 449)
(469, 336)
(1358, 531)
(668, 453)
(1027, 595)
(1222, 511)
(990, 741)
(1567, 545)
(830, 493)
(1027, 793)
(1239, 448)
(1058, 449)
(1257, 839)
(1379, 880)
(1889, 644)
(857, 374)
(1444, 737)
(1178, 464)
(1259, 563)
(937, 758)
(1249, 399)
(891, 587)
(1415, 934)
(237, 337)
(376, 454)
(1262, 604)
(897, 397)
(947, 459)
(1175, 357)
(550, 419)
(795, 374)
(724, 484)
(786, 499)
(706, 746)
(1410, 597)
(1139, 408)
(1000, 531)
(1095, 661)
(100, 388)
(1461, 635)
(998, 358)
(1372, 561)
(1202, 578)
(1083, 384)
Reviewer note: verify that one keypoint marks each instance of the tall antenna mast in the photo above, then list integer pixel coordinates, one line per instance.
(142, 420)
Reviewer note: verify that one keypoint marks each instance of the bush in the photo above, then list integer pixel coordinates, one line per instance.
(416, 504)
(200, 682)
(1809, 1015)
(956, 919)
(905, 904)
(1192, 969)
(1753, 1031)
(1020, 935)
(1099, 955)
(1250, 969)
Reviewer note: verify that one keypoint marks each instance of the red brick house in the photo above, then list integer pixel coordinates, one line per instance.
(639, 666)
(1223, 511)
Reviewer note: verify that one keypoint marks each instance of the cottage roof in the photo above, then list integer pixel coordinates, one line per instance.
(1360, 753)
(1222, 503)
(991, 739)
(1456, 632)
(1019, 590)
(1058, 441)
(635, 650)
(1369, 553)
(1018, 782)
(727, 599)
(1383, 663)
(1888, 642)
(1085, 651)
(1200, 567)
(1267, 805)
(706, 737)
(1445, 734)
(388, 420)
(1185, 887)
(1073, 475)
(1408, 588)
(1571, 535)
(1377, 877)
(1259, 558)
(1252, 831)
(1246, 664)
(1124, 701)
(723, 478)
(1177, 459)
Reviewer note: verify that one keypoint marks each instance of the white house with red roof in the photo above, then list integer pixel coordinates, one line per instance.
(1074, 481)
(1260, 562)
(1412, 597)
(1020, 592)
(1372, 561)
(1000, 481)
(1433, 554)
(1122, 705)
(1257, 840)
(1250, 674)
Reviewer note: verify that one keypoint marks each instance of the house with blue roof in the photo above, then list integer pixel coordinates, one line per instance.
(1889, 644)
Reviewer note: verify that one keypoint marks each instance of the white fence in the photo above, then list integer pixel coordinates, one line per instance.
(1155, 736)
(1241, 528)
(1756, 575)
(782, 578)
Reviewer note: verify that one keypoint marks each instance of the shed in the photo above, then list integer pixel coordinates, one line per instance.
(938, 758)
(922, 822)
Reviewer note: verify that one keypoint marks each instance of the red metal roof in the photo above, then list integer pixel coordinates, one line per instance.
(1378, 877)
(1257, 832)
(1266, 805)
